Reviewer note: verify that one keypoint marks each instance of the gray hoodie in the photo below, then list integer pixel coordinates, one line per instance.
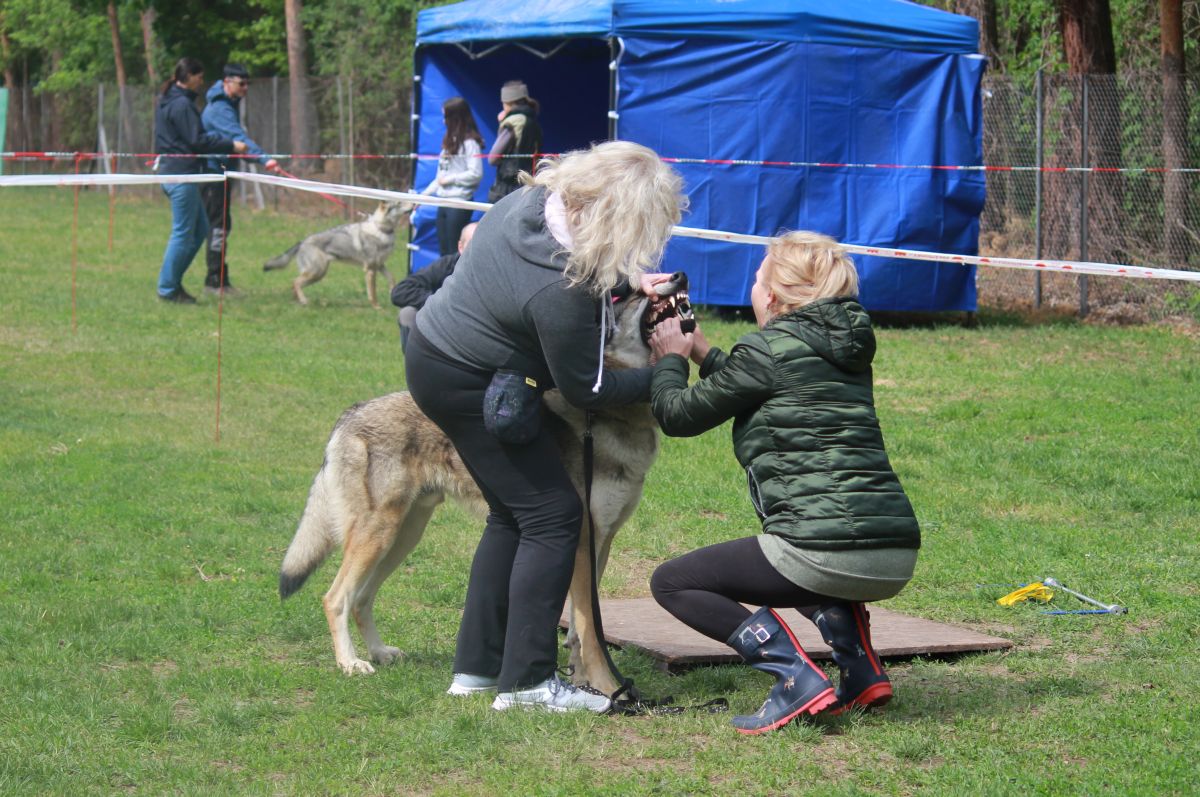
(508, 305)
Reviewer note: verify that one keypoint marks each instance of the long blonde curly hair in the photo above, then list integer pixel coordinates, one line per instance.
(803, 267)
(621, 202)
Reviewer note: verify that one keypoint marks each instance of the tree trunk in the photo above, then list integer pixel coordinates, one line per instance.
(123, 115)
(148, 17)
(984, 11)
(10, 82)
(1176, 242)
(297, 80)
(118, 57)
(1086, 27)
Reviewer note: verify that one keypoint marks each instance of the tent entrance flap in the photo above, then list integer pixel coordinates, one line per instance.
(568, 77)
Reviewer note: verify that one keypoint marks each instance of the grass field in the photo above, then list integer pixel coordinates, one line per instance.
(144, 650)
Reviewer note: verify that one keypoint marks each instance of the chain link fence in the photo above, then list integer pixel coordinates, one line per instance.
(1130, 211)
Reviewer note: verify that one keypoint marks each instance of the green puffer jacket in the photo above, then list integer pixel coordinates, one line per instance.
(805, 428)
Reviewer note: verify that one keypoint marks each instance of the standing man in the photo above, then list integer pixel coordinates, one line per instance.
(221, 118)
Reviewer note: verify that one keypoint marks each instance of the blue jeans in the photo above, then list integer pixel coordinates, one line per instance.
(189, 226)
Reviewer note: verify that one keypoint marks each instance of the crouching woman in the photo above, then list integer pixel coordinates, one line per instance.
(838, 530)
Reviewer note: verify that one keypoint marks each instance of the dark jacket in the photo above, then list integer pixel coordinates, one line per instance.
(413, 290)
(177, 131)
(528, 143)
(804, 428)
(509, 305)
(221, 118)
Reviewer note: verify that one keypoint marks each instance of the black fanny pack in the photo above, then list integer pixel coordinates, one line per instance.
(512, 407)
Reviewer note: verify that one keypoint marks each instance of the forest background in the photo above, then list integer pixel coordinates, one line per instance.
(58, 45)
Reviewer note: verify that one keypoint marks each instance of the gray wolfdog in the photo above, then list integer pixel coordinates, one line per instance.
(369, 242)
(387, 467)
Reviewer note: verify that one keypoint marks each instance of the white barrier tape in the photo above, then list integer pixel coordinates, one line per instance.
(314, 186)
(1064, 266)
(337, 189)
(60, 180)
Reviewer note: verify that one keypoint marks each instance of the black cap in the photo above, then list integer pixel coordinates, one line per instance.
(236, 70)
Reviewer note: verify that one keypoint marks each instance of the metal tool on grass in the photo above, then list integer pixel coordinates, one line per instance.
(1105, 608)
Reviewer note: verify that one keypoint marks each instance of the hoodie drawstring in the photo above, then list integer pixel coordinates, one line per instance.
(606, 318)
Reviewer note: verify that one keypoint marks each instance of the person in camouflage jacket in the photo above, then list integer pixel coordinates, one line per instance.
(838, 529)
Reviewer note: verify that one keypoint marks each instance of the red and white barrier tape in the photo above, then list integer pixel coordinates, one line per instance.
(314, 186)
(60, 180)
(50, 156)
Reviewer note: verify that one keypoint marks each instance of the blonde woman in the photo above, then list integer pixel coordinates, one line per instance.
(527, 304)
(837, 528)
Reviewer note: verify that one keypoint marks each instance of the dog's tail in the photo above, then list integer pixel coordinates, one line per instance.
(281, 260)
(319, 530)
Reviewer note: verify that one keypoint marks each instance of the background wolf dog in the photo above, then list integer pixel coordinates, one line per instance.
(387, 467)
(369, 242)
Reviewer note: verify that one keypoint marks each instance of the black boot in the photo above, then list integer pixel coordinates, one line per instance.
(218, 272)
(846, 627)
(767, 644)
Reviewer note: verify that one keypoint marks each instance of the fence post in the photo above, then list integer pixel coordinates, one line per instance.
(1039, 94)
(1083, 198)
(350, 113)
(341, 131)
(275, 133)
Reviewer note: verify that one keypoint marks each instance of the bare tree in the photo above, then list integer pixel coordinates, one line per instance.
(1175, 143)
(123, 115)
(148, 17)
(297, 76)
(114, 25)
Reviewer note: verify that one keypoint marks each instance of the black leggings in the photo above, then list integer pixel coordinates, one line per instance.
(706, 588)
(215, 197)
(522, 567)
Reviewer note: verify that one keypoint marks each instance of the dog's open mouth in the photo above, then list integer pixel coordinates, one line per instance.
(671, 302)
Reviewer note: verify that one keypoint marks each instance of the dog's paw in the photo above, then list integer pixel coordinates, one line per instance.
(386, 654)
(357, 667)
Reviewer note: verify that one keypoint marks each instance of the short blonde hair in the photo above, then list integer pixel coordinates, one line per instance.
(803, 267)
(621, 202)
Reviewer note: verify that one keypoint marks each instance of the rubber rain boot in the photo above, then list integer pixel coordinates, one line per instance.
(801, 687)
(846, 628)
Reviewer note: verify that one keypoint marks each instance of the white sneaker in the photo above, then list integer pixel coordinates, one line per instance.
(554, 694)
(467, 684)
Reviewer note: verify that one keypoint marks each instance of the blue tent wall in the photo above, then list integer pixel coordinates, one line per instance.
(786, 101)
(875, 81)
(572, 86)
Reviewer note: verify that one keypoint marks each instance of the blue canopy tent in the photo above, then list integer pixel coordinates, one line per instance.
(803, 81)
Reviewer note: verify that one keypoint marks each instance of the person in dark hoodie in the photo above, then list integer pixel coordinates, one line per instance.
(837, 528)
(411, 293)
(528, 308)
(178, 139)
(517, 141)
(221, 117)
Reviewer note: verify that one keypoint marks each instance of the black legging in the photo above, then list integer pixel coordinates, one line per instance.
(220, 223)
(522, 567)
(706, 588)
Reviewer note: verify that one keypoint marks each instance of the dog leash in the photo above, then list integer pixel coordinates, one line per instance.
(627, 700)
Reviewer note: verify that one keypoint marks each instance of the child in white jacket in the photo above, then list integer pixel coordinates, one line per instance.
(459, 172)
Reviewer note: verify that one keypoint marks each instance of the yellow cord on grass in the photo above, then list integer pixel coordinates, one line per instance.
(1036, 591)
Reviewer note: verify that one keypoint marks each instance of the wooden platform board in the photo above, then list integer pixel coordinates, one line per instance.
(642, 624)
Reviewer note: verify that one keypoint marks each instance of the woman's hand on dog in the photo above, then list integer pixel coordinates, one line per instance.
(669, 338)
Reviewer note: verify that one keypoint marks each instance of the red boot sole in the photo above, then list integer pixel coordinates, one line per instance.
(873, 696)
(812, 707)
